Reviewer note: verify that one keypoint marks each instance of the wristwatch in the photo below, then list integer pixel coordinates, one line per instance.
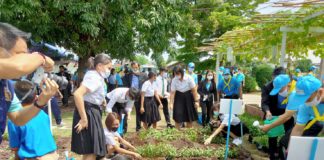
(37, 105)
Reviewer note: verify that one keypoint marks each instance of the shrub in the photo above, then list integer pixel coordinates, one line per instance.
(248, 121)
(250, 84)
(263, 74)
(157, 150)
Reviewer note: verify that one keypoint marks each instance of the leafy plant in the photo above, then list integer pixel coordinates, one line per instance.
(250, 84)
(157, 150)
(262, 140)
(304, 64)
(263, 74)
(248, 121)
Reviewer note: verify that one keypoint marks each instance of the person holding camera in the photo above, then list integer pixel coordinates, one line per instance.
(14, 63)
(87, 134)
(34, 140)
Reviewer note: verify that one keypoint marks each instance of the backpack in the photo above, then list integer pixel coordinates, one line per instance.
(4, 104)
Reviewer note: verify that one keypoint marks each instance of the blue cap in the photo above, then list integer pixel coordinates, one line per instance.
(312, 68)
(298, 70)
(191, 65)
(279, 82)
(221, 68)
(305, 87)
(227, 71)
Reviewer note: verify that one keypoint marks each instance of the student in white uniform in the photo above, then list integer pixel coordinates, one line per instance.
(121, 101)
(161, 86)
(149, 108)
(184, 98)
(114, 140)
(87, 133)
(220, 121)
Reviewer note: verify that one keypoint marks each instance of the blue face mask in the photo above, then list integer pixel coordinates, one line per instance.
(216, 114)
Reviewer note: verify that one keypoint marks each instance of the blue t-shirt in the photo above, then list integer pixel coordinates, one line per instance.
(306, 113)
(195, 78)
(240, 77)
(15, 104)
(33, 139)
(135, 82)
(233, 87)
(220, 77)
(280, 100)
(208, 85)
(119, 80)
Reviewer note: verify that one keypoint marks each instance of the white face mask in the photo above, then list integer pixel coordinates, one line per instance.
(178, 77)
(314, 102)
(209, 77)
(165, 75)
(284, 93)
(105, 74)
(227, 77)
(190, 70)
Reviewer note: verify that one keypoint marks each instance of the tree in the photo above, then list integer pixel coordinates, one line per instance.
(120, 28)
(141, 59)
(304, 64)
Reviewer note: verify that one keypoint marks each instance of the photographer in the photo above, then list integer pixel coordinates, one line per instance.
(14, 64)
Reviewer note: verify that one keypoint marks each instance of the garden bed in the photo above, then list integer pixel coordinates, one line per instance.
(186, 144)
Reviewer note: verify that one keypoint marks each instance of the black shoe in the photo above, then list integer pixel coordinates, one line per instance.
(170, 126)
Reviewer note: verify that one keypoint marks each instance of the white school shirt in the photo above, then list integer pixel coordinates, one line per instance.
(119, 95)
(234, 119)
(95, 83)
(159, 86)
(182, 86)
(148, 88)
(110, 137)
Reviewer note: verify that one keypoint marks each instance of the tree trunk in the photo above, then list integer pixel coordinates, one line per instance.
(82, 68)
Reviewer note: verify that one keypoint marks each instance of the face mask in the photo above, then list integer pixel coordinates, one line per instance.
(165, 75)
(114, 129)
(135, 70)
(106, 73)
(227, 77)
(178, 77)
(209, 77)
(190, 69)
(284, 93)
(216, 113)
(314, 102)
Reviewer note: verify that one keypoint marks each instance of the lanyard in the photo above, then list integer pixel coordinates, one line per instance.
(318, 117)
(227, 84)
(292, 88)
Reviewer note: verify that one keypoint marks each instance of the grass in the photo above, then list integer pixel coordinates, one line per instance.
(170, 134)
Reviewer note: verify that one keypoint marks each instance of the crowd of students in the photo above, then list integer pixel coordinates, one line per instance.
(179, 92)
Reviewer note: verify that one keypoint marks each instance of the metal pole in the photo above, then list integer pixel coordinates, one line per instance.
(49, 108)
(283, 49)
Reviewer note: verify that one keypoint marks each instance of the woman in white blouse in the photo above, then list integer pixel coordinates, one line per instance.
(184, 98)
(149, 108)
(87, 134)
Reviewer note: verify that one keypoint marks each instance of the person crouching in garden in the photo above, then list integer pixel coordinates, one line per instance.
(184, 98)
(114, 140)
(220, 121)
(87, 133)
(149, 108)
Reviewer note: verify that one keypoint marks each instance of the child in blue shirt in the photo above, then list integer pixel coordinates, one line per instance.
(33, 140)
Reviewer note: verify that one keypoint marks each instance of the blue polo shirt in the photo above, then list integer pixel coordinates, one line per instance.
(306, 113)
(220, 77)
(195, 77)
(233, 88)
(33, 139)
(240, 77)
(119, 80)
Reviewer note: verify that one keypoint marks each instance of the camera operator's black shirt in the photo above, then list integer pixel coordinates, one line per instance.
(65, 74)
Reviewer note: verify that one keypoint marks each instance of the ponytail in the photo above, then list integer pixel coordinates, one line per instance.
(100, 58)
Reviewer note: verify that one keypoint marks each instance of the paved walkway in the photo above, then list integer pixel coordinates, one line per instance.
(252, 98)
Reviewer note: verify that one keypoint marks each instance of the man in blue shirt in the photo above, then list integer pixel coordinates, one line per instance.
(229, 87)
(220, 74)
(191, 68)
(135, 79)
(240, 77)
(309, 97)
(34, 139)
